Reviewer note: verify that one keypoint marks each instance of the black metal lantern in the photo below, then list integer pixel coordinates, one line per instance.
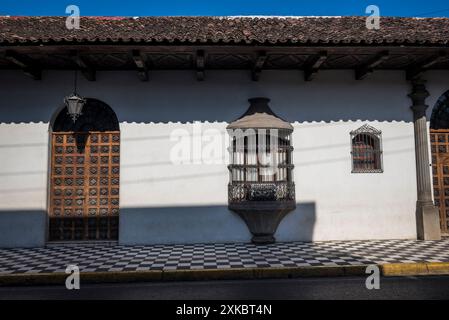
(74, 103)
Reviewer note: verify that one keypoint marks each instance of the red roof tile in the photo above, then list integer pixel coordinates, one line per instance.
(241, 30)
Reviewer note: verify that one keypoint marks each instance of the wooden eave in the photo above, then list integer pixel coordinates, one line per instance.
(89, 58)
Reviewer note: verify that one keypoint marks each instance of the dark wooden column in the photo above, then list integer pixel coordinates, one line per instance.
(427, 215)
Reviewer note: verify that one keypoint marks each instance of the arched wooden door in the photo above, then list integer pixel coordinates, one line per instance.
(439, 139)
(85, 175)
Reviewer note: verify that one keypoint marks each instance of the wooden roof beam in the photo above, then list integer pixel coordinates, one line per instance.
(417, 69)
(368, 68)
(313, 65)
(87, 70)
(200, 65)
(26, 64)
(258, 65)
(139, 61)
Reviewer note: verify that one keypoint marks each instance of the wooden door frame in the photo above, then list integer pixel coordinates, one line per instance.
(439, 159)
(85, 187)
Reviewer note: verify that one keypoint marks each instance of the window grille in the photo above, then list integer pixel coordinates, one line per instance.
(261, 169)
(366, 150)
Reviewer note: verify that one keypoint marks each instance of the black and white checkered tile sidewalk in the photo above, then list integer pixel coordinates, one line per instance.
(109, 257)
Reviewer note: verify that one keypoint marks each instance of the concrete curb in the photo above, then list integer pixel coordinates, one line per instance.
(415, 269)
(388, 270)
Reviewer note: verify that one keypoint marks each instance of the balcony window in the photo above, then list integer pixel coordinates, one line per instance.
(261, 166)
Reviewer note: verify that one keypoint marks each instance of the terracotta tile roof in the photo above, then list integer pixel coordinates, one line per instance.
(240, 30)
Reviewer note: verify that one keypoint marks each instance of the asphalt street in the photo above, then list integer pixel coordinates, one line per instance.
(285, 289)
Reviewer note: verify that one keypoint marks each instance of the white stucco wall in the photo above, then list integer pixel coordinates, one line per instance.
(23, 183)
(166, 203)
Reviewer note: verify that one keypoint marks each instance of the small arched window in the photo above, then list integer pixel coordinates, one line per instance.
(366, 150)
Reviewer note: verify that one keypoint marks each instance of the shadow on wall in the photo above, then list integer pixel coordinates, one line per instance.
(163, 225)
(205, 224)
(175, 96)
(22, 228)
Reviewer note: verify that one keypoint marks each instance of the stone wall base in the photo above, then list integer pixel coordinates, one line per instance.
(428, 222)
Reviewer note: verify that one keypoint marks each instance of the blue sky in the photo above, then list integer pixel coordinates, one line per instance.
(428, 8)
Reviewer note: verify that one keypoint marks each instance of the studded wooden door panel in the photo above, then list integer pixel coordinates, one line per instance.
(84, 190)
(440, 168)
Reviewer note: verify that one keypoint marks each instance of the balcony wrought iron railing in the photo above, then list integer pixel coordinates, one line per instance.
(240, 192)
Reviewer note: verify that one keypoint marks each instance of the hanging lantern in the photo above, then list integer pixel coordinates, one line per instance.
(74, 104)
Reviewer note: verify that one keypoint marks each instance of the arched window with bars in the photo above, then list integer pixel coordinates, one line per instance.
(366, 151)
